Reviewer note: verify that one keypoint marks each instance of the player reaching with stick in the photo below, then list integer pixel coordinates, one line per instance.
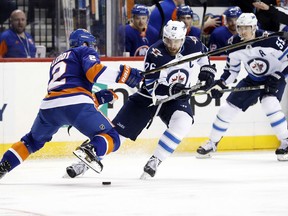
(70, 102)
(139, 110)
(266, 63)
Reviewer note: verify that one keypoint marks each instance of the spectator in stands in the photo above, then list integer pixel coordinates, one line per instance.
(268, 19)
(15, 42)
(158, 20)
(7, 6)
(138, 34)
(185, 14)
(220, 35)
(272, 11)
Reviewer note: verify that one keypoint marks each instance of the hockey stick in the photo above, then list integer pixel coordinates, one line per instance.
(234, 89)
(194, 89)
(156, 2)
(217, 51)
(204, 4)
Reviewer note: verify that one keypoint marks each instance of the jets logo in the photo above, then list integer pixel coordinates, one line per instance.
(156, 52)
(258, 66)
(179, 75)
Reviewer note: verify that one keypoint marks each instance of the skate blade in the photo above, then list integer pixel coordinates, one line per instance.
(145, 176)
(283, 157)
(66, 176)
(200, 156)
(97, 166)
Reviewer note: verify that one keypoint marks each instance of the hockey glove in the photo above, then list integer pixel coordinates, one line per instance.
(105, 96)
(175, 88)
(129, 76)
(215, 90)
(272, 82)
(207, 74)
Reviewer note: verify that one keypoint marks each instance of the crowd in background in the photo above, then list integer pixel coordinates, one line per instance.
(148, 18)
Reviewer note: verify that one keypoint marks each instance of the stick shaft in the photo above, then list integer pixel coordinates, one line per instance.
(235, 89)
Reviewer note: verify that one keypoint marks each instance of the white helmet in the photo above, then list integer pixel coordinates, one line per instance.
(247, 19)
(174, 30)
(174, 33)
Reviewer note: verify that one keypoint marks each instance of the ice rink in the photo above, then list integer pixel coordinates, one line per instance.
(232, 184)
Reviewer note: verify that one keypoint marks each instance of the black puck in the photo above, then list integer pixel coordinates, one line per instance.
(106, 183)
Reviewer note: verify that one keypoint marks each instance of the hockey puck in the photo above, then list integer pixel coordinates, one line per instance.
(106, 183)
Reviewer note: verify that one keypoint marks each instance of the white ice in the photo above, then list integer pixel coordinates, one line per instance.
(229, 184)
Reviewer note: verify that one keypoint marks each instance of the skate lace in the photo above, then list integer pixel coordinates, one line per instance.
(209, 145)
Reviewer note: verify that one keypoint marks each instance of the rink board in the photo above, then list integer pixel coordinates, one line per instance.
(23, 85)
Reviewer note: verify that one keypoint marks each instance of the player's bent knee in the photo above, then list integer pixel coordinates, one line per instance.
(106, 143)
(31, 144)
(228, 112)
(270, 104)
(180, 123)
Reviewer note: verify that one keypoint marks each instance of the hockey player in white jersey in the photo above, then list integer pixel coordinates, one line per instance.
(266, 64)
(139, 110)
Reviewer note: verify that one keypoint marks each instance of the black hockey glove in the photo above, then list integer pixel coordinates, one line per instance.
(272, 82)
(207, 74)
(215, 90)
(175, 88)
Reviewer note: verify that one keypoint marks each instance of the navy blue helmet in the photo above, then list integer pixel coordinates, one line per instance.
(80, 36)
(184, 10)
(140, 10)
(232, 12)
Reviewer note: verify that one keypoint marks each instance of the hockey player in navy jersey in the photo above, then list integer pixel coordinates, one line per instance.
(176, 114)
(138, 34)
(69, 101)
(266, 63)
(185, 14)
(220, 35)
(139, 110)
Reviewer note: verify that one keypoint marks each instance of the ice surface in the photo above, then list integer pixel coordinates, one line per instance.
(228, 184)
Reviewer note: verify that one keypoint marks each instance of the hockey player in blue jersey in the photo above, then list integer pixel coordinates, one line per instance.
(266, 63)
(138, 34)
(185, 14)
(220, 35)
(139, 110)
(69, 101)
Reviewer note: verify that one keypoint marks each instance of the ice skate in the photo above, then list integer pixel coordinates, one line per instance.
(282, 151)
(86, 153)
(75, 169)
(150, 168)
(204, 150)
(3, 169)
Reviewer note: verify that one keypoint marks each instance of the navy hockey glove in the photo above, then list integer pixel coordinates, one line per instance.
(207, 74)
(272, 82)
(215, 90)
(105, 96)
(175, 88)
(129, 76)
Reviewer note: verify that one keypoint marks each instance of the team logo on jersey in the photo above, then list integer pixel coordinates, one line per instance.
(178, 75)
(258, 66)
(156, 52)
(141, 51)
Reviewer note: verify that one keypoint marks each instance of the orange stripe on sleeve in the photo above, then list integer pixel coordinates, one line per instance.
(21, 150)
(93, 72)
(3, 48)
(110, 143)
